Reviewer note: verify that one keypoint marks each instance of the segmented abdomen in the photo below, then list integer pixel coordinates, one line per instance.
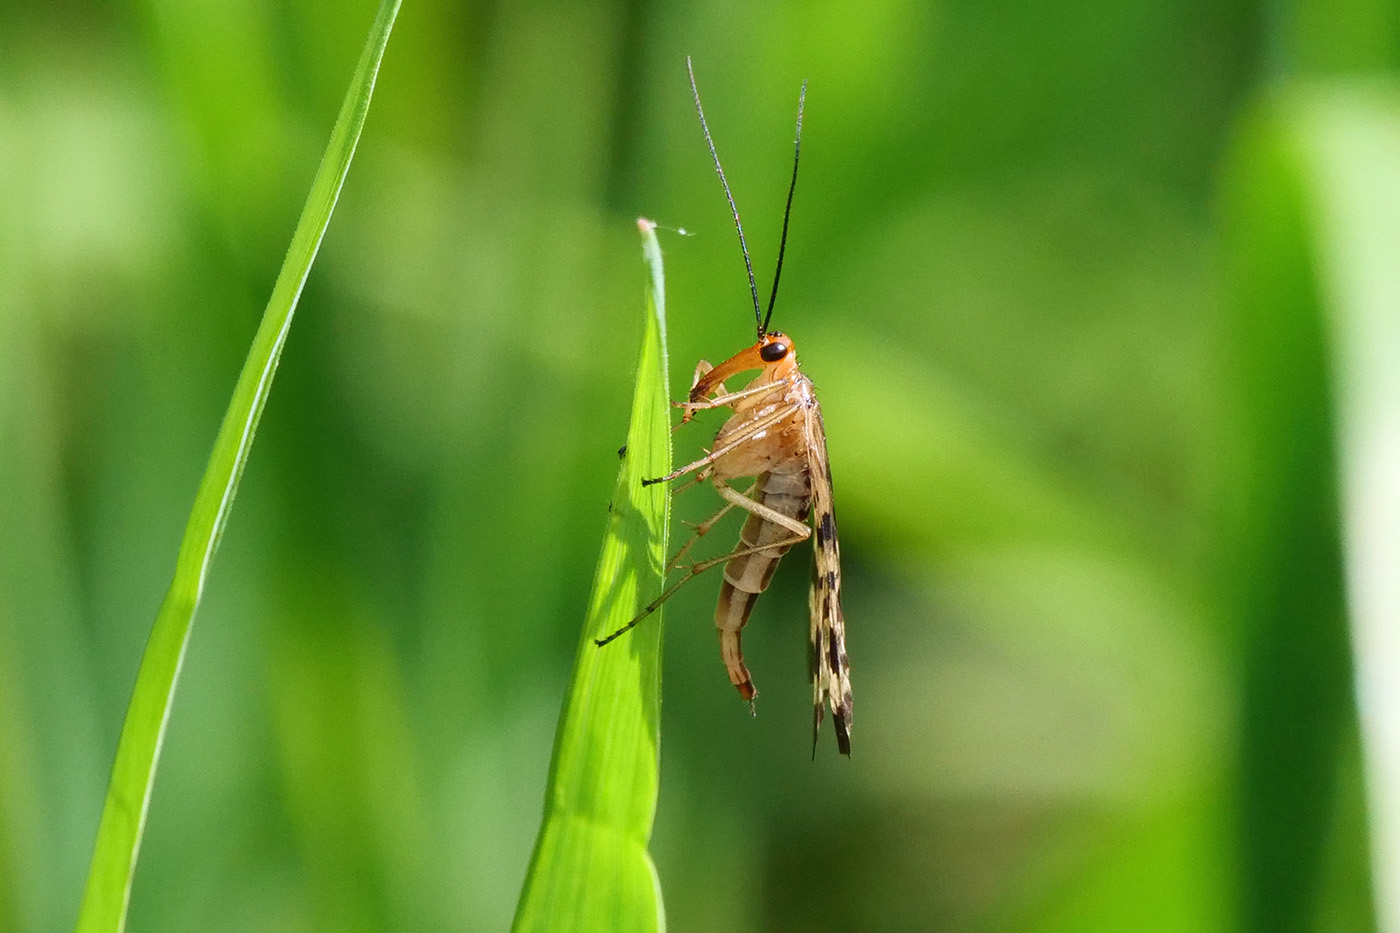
(787, 490)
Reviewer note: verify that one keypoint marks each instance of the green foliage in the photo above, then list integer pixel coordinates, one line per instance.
(591, 869)
(133, 772)
(1079, 290)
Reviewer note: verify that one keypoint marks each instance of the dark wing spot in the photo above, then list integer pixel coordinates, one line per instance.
(831, 579)
(827, 528)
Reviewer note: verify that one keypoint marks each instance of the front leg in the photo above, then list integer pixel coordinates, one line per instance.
(727, 399)
(701, 369)
(741, 436)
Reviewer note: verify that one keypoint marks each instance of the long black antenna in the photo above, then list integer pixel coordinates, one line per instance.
(753, 286)
(787, 211)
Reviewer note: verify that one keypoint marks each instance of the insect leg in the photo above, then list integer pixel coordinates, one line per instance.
(728, 398)
(693, 571)
(735, 497)
(701, 368)
(700, 530)
(740, 437)
(693, 481)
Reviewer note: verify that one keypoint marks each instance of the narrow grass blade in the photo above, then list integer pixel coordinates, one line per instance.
(1351, 134)
(133, 772)
(590, 869)
(1313, 232)
(1280, 556)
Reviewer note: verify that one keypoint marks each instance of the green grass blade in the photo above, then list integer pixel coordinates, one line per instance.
(1281, 561)
(1313, 228)
(133, 771)
(590, 869)
(1351, 134)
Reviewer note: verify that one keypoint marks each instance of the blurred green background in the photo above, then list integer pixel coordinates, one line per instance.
(1056, 271)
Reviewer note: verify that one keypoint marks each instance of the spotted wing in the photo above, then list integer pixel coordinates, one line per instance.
(831, 671)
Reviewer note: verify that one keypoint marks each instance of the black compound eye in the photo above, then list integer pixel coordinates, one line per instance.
(772, 352)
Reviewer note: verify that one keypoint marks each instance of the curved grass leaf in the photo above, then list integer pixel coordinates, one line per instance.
(133, 772)
(590, 869)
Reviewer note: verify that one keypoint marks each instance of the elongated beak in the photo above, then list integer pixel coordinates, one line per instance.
(740, 362)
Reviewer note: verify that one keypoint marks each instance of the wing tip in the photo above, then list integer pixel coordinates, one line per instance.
(841, 719)
(843, 734)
